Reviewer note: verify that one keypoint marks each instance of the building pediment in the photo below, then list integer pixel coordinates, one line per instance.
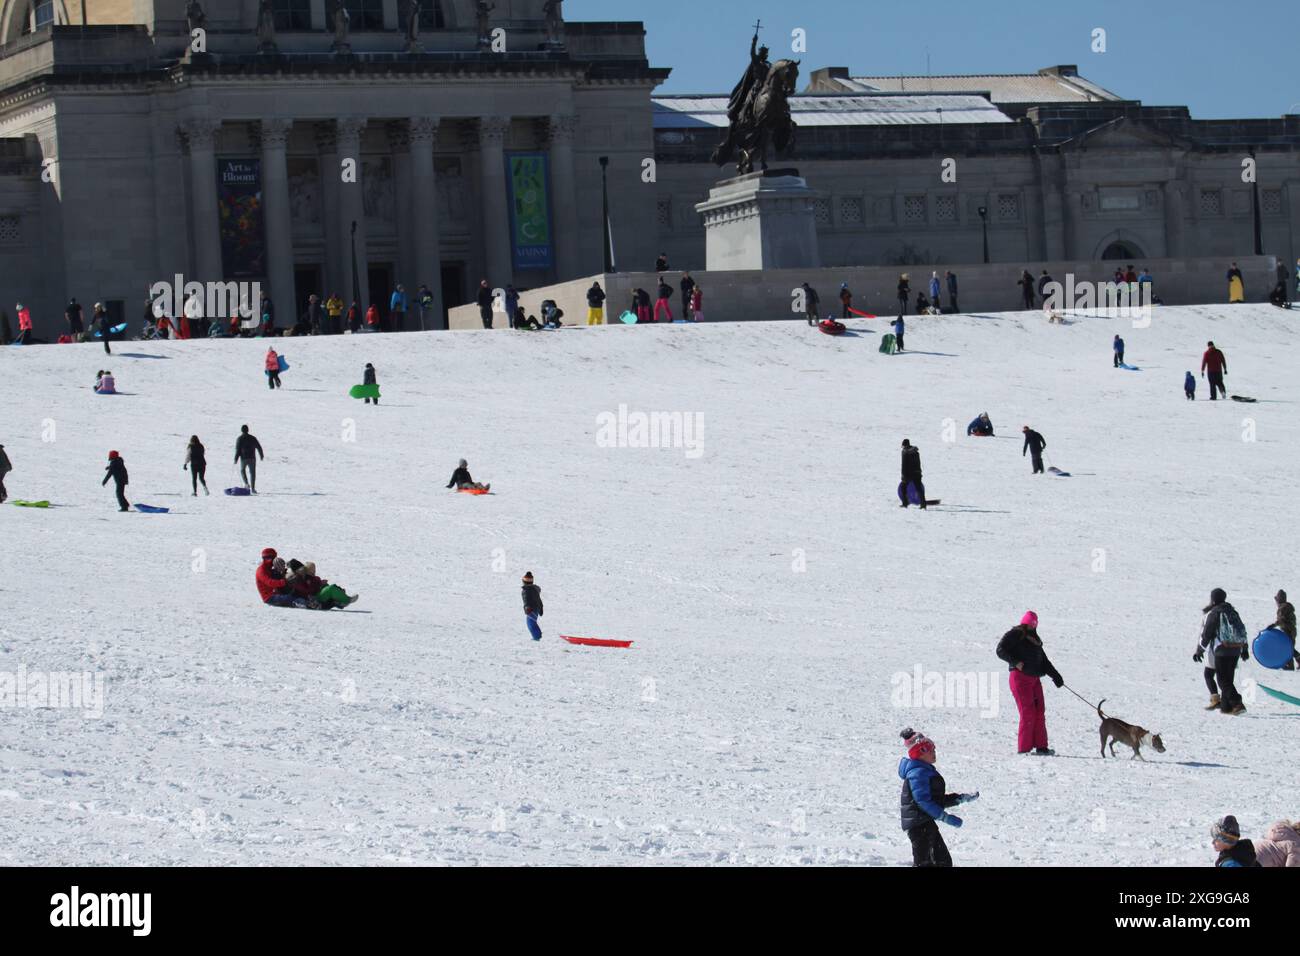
(1126, 133)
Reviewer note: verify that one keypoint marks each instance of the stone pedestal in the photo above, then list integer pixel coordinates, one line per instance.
(760, 221)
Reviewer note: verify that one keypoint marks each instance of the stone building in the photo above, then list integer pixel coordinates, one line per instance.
(135, 150)
(1063, 169)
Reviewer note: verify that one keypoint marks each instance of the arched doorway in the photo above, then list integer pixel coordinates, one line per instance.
(1122, 249)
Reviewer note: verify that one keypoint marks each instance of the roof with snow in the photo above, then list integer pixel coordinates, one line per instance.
(832, 109)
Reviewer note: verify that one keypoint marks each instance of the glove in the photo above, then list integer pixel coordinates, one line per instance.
(951, 820)
(1199, 655)
(968, 797)
(1059, 681)
(1245, 653)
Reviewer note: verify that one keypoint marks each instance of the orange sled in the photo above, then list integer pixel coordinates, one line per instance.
(595, 641)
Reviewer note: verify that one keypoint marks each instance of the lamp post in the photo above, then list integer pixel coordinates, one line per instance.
(984, 218)
(604, 194)
(1254, 200)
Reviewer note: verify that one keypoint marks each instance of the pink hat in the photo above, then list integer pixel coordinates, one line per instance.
(916, 743)
(1030, 619)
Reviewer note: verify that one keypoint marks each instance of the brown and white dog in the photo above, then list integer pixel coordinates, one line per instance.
(1113, 729)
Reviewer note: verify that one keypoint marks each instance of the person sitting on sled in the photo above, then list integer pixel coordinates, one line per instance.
(981, 426)
(271, 584)
(105, 384)
(317, 592)
(462, 480)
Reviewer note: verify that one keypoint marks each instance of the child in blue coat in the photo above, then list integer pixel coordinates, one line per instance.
(899, 327)
(1189, 386)
(925, 801)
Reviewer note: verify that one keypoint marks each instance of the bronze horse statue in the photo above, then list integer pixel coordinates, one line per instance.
(764, 119)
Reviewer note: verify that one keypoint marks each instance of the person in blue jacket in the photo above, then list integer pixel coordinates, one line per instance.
(981, 426)
(1189, 386)
(934, 291)
(899, 327)
(397, 303)
(925, 802)
(1119, 351)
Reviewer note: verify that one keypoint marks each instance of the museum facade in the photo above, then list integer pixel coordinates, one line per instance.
(288, 144)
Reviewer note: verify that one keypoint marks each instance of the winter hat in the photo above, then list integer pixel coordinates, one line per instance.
(295, 564)
(1226, 830)
(112, 455)
(268, 554)
(1218, 596)
(906, 443)
(1280, 597)
(1024, 428)
(310, 568)
(1030, 620)
(464, 463)
(528, 577)
(244, 429)
(916, 743)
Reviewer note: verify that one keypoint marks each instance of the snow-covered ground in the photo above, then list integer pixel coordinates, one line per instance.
(772, 585)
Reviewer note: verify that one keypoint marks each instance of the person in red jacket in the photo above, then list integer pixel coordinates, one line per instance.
(271, 586)
(372, 318)
(1214, 362)
(24, 324)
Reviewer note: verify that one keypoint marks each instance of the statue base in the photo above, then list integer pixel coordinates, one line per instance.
(763, 220)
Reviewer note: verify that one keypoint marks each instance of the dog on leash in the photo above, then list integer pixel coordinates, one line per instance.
(1113, 729)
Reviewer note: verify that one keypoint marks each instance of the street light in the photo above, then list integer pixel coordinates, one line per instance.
(604, 194)
(984, 218)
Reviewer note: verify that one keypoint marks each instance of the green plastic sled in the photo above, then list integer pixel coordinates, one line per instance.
(31, 504)
(888, 344)
(364, 391)
(1279, 695)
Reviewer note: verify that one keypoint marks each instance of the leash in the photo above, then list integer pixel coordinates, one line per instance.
(1082, 698)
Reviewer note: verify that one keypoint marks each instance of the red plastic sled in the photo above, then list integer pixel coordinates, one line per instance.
(473, 491)
(831, 327)
(595, 641)
(861, 315)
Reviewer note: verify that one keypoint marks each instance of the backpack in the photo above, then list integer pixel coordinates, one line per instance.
(1232, 632)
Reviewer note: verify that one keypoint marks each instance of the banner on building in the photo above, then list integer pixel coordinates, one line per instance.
(239, 209)
(530, 210)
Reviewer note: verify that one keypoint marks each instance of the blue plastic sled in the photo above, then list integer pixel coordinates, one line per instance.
(1129, 368)
(1057, 472)
(1272, 649)
(628, 318)
(238, 492)
(913, 496)
(114, 330)
(151, 510)
(284, 366)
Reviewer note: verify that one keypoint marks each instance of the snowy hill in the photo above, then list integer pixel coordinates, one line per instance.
(772, 585)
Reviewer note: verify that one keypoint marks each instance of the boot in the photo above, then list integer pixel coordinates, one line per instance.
(1043, 752)
(1214, 702)
(1238, 709)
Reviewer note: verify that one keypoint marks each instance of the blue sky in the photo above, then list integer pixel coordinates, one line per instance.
(1239, 60)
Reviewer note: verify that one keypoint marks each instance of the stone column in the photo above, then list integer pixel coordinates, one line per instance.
(352, 209)
(403, 266)
(327, 146)
(274, 133)
(200, 135)
(423, 136)
(497, 257)
(565, 201)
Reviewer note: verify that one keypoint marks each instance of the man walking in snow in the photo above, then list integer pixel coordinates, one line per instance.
(934, 293)
(811, 303)
(247, 451)
(952, 292)
(1214, 362)
(117, 471)
(484, 300)
(1034, 443)
(6, 466)
(911, 474)
(1224, 636)
(532, 596)
(1119, 351)
(1285, 611)
(1026, 283)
